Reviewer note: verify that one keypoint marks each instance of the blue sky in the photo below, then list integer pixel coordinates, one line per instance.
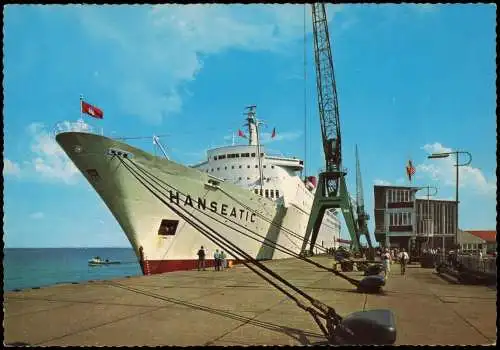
(411, 79)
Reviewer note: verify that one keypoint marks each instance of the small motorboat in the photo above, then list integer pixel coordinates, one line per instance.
(97, 261)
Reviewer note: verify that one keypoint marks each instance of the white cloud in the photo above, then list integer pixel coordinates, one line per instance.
(168, 41)
(400, 181)
(280, 136)
(11, 168)
(37, 216)
(379, 182)
(48, 160)
(443, 170)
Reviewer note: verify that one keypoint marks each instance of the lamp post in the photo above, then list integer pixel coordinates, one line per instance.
(428, 216)
(446, 155)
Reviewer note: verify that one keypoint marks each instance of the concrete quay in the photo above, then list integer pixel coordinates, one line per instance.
(237, 307)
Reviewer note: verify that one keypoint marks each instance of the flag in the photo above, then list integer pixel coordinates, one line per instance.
(92, 110)
(410, 170)
(274, 133)
(241, 134)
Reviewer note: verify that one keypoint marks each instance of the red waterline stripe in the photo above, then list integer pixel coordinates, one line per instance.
(151, 267)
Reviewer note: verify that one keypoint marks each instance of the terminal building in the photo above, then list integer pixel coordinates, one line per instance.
(403, 221)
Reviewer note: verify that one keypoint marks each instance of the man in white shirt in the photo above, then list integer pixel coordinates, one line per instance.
(386, 262)
(403, 258)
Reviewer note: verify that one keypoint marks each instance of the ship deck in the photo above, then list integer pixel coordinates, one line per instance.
(236, 307)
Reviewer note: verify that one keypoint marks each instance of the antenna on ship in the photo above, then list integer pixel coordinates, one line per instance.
(252, 119)
(156, 141)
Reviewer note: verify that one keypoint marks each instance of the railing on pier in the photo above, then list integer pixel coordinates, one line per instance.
(78, 126)
(475, 263)
(472, 263)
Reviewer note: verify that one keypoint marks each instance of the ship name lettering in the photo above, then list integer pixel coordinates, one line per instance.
(223, 209)
(188, 201)
(176, 197)
(202, 202)
(233, 212)
(214, 207)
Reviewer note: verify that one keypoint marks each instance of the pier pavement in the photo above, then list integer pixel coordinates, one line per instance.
(237, 307)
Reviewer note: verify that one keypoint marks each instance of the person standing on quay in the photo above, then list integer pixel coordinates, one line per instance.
(223, 260)
(217, 260)
(201, 259)
(386, 262)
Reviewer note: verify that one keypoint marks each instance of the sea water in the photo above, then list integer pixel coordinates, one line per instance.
(38, 267)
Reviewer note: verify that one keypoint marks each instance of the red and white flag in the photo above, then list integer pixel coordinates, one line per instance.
(92, 110)
(274, 133)
(241, 134)
(410, 169)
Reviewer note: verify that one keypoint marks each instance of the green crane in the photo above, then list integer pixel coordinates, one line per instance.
(332, 189)
(362, 216)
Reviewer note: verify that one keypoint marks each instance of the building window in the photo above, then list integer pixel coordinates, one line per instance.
(245, 154)
(277, 194)
(266, 193)
(272, 193)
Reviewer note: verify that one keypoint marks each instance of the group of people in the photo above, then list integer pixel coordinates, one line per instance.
(388, 257)
(431, 251)
(220, 262)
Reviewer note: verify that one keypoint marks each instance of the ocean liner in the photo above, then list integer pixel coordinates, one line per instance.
(237, 188)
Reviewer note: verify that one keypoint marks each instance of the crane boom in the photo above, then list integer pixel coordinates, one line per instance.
(362, 215)
(332, 188)
(327, 90)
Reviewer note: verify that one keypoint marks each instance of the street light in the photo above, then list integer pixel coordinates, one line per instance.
(446, 155)
(428, 216)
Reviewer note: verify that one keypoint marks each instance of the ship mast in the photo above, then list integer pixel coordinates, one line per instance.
(253, 137)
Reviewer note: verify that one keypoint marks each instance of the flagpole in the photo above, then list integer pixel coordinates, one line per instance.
(81, 107)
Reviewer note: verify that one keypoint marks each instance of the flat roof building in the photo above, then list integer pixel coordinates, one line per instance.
(404, 221)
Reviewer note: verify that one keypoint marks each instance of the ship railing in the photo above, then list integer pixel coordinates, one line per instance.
(78, 126)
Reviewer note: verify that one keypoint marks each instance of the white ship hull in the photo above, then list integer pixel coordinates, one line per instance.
(226, 208)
